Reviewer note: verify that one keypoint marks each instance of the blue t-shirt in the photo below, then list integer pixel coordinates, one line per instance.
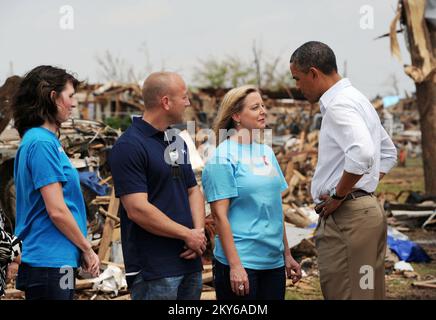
(41, 161)
(138, 165)
(250, 176)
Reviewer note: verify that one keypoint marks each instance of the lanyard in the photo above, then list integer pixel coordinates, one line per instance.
(176, 172)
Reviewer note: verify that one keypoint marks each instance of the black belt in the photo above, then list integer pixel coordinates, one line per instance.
(357, 194)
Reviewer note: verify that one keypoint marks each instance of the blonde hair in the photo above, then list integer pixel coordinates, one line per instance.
(232, 103)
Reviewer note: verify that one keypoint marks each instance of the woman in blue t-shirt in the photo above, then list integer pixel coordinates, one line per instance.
(243, 183)
(51, 214)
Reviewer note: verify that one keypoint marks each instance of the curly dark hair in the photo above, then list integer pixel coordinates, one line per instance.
(32, 104)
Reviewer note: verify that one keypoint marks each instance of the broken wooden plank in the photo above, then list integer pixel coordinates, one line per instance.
(430, 220)
(14, 294)
(207, 288)
(207, 267)
(123, 297)
(208, 295)
(207, 277)
(424, 285)
(108, 228)
(107, 214)
(82, 284)
(106, 180)
(411, 214)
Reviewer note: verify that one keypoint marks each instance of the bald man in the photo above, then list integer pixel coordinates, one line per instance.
(162, 207)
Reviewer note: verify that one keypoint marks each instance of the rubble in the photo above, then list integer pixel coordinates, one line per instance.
(425, 284)
(295, 126)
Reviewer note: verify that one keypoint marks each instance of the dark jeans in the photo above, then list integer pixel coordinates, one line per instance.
(42, 283)
(183, 287)
(264, 284)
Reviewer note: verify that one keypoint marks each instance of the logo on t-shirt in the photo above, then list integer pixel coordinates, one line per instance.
(262, 166)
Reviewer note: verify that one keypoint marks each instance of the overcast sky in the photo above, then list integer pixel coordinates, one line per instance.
(177, 33)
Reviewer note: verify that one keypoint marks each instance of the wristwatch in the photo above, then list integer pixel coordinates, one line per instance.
(333, 195)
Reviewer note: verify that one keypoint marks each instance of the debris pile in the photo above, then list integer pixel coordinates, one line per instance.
(295, 126)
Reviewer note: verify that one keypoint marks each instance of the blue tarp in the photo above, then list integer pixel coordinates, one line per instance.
(390, 101)
(405, 249)
(91, 180)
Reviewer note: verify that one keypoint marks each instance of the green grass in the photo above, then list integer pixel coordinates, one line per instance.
(410, 177)
(425, 269)
(296, 293)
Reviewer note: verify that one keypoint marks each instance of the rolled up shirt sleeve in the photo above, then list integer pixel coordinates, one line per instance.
(352, 135)
(388, 152)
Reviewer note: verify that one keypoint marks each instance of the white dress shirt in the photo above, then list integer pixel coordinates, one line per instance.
(351, 139)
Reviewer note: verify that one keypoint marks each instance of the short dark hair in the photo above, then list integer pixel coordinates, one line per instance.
(32, 104)
(315, 54)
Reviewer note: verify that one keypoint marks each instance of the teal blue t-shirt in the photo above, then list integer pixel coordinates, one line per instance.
(41, 161)
(250, 176)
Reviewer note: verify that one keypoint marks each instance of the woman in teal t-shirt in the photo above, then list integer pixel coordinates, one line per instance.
(51, 216)
(243, 183)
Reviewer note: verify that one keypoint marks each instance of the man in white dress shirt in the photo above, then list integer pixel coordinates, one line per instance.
(354, 153)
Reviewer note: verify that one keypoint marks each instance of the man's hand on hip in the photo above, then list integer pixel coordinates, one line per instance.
(329, 206)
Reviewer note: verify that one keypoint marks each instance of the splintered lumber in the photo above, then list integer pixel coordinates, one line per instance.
(101, 200)
(207, 288)
(14, 294)
(302, 284)
(300, 176)
(207, 276)
(285, 194)
(302, 139)
(97, 146)
(207, 267)
(305, 248)
(123, 297)
(107, 214)
(293, 182)
(289, 283)
(430, 284)
(82, 284)
(108, 228)
(312, 138)
(289, 172)
(296, 216)
(116, 234)
(102, 182)
(208, 295)
(411, 214)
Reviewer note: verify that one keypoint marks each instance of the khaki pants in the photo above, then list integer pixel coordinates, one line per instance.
(351, 246)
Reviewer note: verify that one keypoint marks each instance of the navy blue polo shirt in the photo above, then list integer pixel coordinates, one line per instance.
(138, 165)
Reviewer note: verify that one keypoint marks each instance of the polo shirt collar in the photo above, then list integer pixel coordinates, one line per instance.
(328, 96)
(147, 129)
